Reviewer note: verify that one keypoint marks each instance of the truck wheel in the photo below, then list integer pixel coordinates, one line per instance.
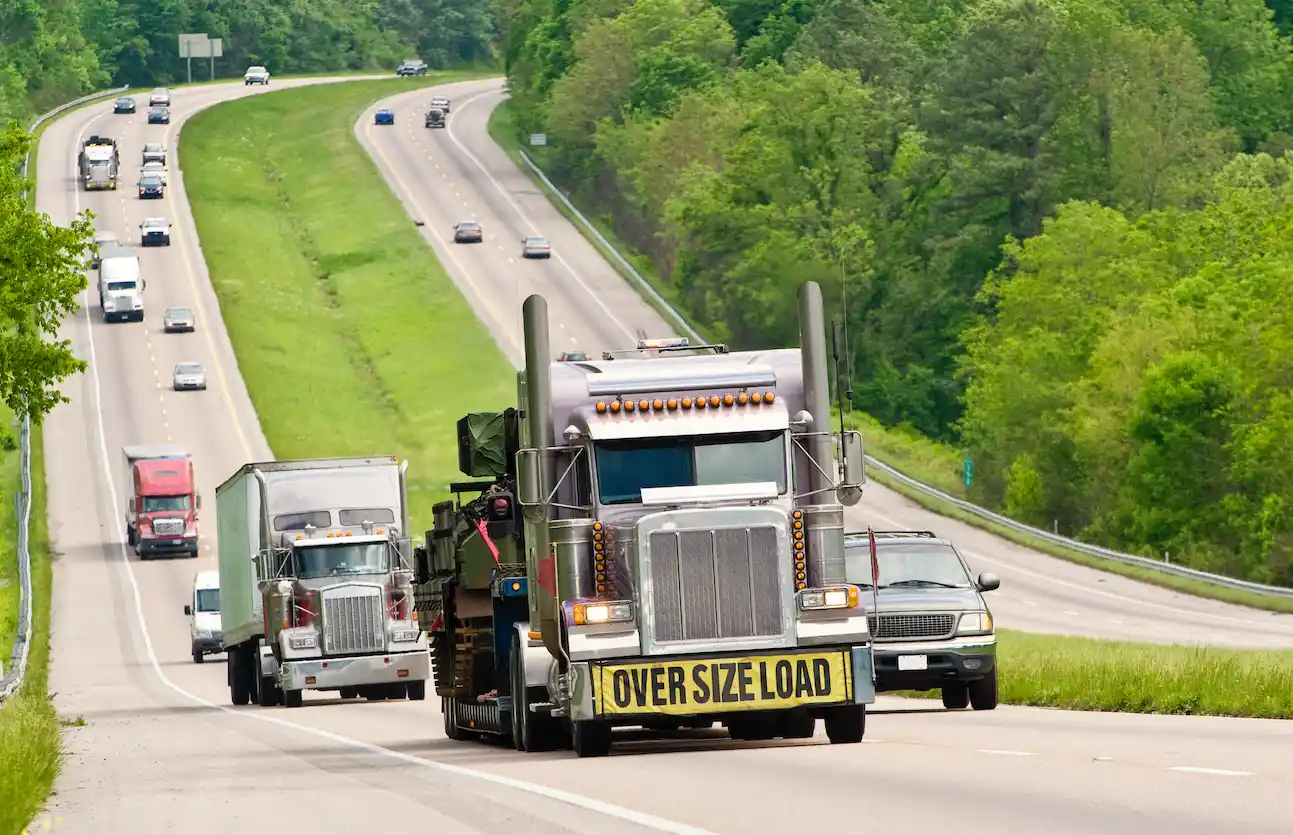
(292, 698)
(451, 729)
(130, 536)
(417, 691)
(591, 738)
(846, 725)
(349, 693)
(797, 723)
(530, 731)
(267, 692)
(983, 693)
(197, 656)
(956, 696)
(749, 727)
(239, 681)
(375, 693)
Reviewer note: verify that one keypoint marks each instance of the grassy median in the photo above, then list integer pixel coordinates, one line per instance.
(1091, 674)
(927, 461)
(350, 336)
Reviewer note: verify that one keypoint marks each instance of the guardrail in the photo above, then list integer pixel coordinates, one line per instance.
(17, 668)
(906, 480)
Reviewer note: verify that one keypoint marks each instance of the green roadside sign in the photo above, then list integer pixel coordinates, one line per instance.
(968, 473)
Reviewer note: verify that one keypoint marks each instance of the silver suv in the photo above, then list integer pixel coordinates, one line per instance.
(934, 630)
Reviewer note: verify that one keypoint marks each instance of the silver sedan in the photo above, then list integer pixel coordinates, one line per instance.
(536, 246)
(179, 320)
(189, 376)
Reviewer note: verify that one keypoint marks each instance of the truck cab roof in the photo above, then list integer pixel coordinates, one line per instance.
(164, 476)
(208, 579)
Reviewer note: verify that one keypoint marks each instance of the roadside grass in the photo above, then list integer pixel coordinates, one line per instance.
(10, 483)
(1101, 675)
(909, 452)
(350, 336)
(30, 750)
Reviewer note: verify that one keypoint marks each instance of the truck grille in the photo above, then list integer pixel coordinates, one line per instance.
(907, 627)
(715, 584)
(354, 623)
(168, 527)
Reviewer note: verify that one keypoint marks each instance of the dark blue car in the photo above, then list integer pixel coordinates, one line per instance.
(159, 116)
(384, 117)
(125, 104)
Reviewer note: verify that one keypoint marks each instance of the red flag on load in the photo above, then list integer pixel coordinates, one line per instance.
(875, 561)
(493, 549)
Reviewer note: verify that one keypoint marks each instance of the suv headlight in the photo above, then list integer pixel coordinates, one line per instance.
(307, 641)
(974, 623)
(402, 636)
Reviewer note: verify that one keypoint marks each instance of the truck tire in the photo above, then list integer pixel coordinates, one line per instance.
(530, 731)
(796, 723)
(267, 693)
(349, 693)
(846, 725)
(130, 536)
(397, 691)
(451, 729)
(417, 691)
(983, 693)
(591, 738)
(197, 656)
(956, 696)
(753, 726)
(239, 681)
(293, 698)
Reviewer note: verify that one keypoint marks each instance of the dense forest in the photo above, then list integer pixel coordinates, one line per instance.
(52, 51)
(1060, 231)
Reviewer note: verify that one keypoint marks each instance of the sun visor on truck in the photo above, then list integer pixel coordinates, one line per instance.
(487, 442)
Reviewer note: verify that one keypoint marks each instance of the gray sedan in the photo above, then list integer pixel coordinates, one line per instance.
(536, 246)
(179, 320)
(189, 376)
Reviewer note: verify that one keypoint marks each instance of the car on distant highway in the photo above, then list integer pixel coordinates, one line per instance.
(151, 187)
(573, 356)
(536, 246)
(155, 231)
(160, 97)
(159, 116)
(179, 320)
(189, 376)
(154, 152)
(102, 240)
(255, 75)
(155, 168)
(125, 104)
(468, 232)
(412, 67)
(385, 116)
(435, 118)
(440, 102)
(934, 630)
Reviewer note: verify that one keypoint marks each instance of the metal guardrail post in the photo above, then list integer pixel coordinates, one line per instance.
(911, 483)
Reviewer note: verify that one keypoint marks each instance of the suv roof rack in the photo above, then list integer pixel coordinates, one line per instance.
(922, 534)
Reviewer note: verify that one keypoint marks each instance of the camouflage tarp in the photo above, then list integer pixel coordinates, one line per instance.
(482, 445)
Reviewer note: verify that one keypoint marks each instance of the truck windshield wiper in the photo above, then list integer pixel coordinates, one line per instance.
(927, 583)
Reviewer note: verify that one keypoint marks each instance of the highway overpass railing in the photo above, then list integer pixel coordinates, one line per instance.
(16, 670)
(685, 329)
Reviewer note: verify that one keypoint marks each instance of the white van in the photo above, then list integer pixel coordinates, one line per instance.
(121, 287)
(204, 616)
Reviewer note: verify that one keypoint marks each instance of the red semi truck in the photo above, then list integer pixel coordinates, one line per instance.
(162, 508)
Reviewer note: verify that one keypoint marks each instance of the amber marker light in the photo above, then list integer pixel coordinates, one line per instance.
(615, 407)
(728, 400)
(657, 405)
(672, 404)
(714, 401)
(756, 398)
(701, 403)
(743, 398)
(643, 405)
(769, 397)
(601, 407)
(686, 403)
(629, 405)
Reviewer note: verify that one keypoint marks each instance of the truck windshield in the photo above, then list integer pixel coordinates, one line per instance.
(161, 504)
(625, 467)
(324, 560)
(208, 600)
(122, 285)
(905, 564)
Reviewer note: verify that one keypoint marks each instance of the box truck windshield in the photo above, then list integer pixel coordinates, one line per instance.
(313, 561)
(208, 600)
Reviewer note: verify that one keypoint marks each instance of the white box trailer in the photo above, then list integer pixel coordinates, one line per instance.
(316, 581)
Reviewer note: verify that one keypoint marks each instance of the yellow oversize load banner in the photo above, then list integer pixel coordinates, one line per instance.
(722, 685)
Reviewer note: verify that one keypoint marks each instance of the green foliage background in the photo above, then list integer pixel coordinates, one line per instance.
(1059, 230)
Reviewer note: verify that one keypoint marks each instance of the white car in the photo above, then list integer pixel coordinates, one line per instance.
(161, 97)
(440, 102)
(189, 376)
(255, 75)
(158, 168)
(155, 231)
(154, 152)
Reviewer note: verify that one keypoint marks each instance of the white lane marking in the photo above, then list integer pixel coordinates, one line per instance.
(1218, 772)
(1030, 603)
(1072, 613)
(590, 804)
(632, 335)
(1003, 753)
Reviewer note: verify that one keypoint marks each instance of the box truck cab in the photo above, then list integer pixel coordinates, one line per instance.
(121, 286)
(163, 503)
(203, 612)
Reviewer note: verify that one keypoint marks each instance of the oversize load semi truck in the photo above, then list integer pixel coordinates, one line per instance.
(98, 163)
(659, 543)
(316, 592)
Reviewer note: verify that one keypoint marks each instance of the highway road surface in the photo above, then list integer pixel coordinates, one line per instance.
(161, 750)
(593, 308)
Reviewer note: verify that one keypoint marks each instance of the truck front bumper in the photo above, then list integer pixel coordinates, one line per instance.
(354, 671)
(931, 665)
(155, 545)
(652, 687)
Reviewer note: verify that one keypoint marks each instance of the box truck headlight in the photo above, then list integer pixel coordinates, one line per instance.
(590, 614)
(402, 636)
(303, 641)
(844, 597)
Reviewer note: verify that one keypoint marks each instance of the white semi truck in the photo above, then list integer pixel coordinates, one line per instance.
(316, 585)
(121, 285)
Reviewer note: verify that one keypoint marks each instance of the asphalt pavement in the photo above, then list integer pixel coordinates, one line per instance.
(160, 747)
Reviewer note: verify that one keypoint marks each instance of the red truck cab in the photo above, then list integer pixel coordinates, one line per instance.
(163, 502)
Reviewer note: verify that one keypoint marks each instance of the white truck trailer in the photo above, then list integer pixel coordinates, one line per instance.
(316, 584)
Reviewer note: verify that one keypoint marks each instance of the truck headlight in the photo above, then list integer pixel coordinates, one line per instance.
(303, 641)
(844, 597)
(204, 633)
(590, 614)
(401, 636)
(974, 623)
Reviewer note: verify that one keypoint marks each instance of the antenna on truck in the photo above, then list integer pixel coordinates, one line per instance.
(838, 336)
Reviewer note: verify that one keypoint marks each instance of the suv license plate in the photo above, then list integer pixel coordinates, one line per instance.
(181, 542)
(913, 662)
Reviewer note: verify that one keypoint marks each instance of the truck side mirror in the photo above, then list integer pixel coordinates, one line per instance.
(188, 610)
(198, 501)
(850, 491)
(528, 490)
(988, 582)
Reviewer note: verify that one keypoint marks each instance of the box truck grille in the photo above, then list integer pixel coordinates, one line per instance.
(715, 584)
(354, 623)
(907, 627)
(168, 527)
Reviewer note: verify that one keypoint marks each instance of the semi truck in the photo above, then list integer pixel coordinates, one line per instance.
(162, 500)
(656, 540)
(98, 163)
(121, 285)
(315, 581)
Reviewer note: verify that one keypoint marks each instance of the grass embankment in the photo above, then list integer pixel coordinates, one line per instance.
(1091, 674)
(907, 451)
(30, 753)
(350, 336)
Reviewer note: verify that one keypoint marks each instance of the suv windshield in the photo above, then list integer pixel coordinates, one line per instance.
(324, 560)
(625, 467)
(905, 563)
(208, 600)
(162, 504)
